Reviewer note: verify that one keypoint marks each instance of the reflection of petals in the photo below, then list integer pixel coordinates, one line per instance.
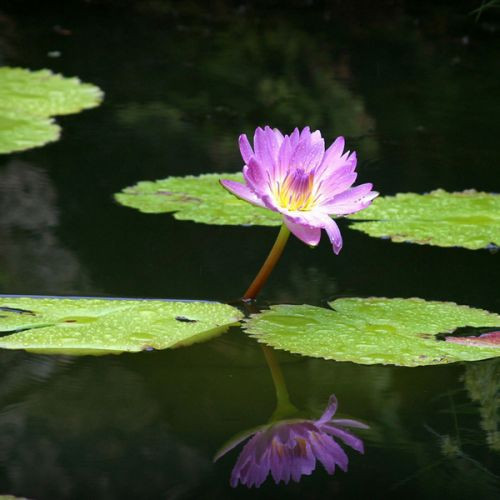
(295, 176)
(349, 439)
(289, 449)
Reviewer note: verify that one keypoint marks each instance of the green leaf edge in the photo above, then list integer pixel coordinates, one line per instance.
(196, 338)
(44, 121)
(365, 221)
(250, 329)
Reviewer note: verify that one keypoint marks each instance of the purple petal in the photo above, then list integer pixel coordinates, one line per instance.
(247, 469)
(280, 462)
(282, 432)
(329, 412)
(328, 452)
(279, 135)
(333, 232)
(348, 438)
(332, 157)
(304, 461)
(307, 156)
(256, 177)
(284, 155)
(349, 423)
(273, 141)
(236, 440)
(316, 219)
(305, 134)
(337, 183)
(310, 235)
(266, 148)
(259, 472)
(242, 191)
(351, 201)
(270, 203)
(245, 148)
(316, 137)
(294, 138)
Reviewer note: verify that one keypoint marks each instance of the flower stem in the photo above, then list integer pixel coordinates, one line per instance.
(268, 265)
(284, 408)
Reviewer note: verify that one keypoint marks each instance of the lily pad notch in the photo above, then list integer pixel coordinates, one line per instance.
(403, 332)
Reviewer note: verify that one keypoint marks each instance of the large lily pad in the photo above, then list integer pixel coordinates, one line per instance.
(103, 326)
(374, 330)
(29, 98)
(200, 199)
(468, 219)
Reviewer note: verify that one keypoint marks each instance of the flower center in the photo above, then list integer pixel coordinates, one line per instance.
(294, 192)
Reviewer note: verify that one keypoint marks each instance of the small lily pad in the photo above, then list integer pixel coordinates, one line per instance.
(469, 219)
(29, 98)
(107, 326)
(200, 199)
(374, 330)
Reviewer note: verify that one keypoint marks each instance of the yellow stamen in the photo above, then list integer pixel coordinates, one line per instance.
(295, 192)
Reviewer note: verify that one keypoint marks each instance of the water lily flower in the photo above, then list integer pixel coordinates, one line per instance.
(295, 176)
(289, 449)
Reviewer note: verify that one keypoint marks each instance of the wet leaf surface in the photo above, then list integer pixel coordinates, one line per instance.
(469, 219)
(102, 326)
(374, 330)
(197, 198)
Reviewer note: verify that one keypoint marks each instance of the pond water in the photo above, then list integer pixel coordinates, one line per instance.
(415, 92)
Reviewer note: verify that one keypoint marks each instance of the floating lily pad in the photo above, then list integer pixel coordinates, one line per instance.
(200, 199)
(468, 219)
(29, 98)
(20, 132)
(374, 330)
(104, 326)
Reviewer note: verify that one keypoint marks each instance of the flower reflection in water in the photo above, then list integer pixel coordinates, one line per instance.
(289, 446)
(289, 449)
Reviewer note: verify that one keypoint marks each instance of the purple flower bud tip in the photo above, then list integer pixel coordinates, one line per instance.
(295, 176)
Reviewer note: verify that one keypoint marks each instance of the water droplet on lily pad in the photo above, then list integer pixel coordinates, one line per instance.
(469, 219)
(103, 326)
(374, 330)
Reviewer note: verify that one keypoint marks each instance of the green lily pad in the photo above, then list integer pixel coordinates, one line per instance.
(469, 219)
(200, 199)
(20, 132)
(108, 326)
(29, 98)
(374, 330)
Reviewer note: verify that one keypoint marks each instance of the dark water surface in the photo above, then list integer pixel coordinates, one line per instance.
(412, 86)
